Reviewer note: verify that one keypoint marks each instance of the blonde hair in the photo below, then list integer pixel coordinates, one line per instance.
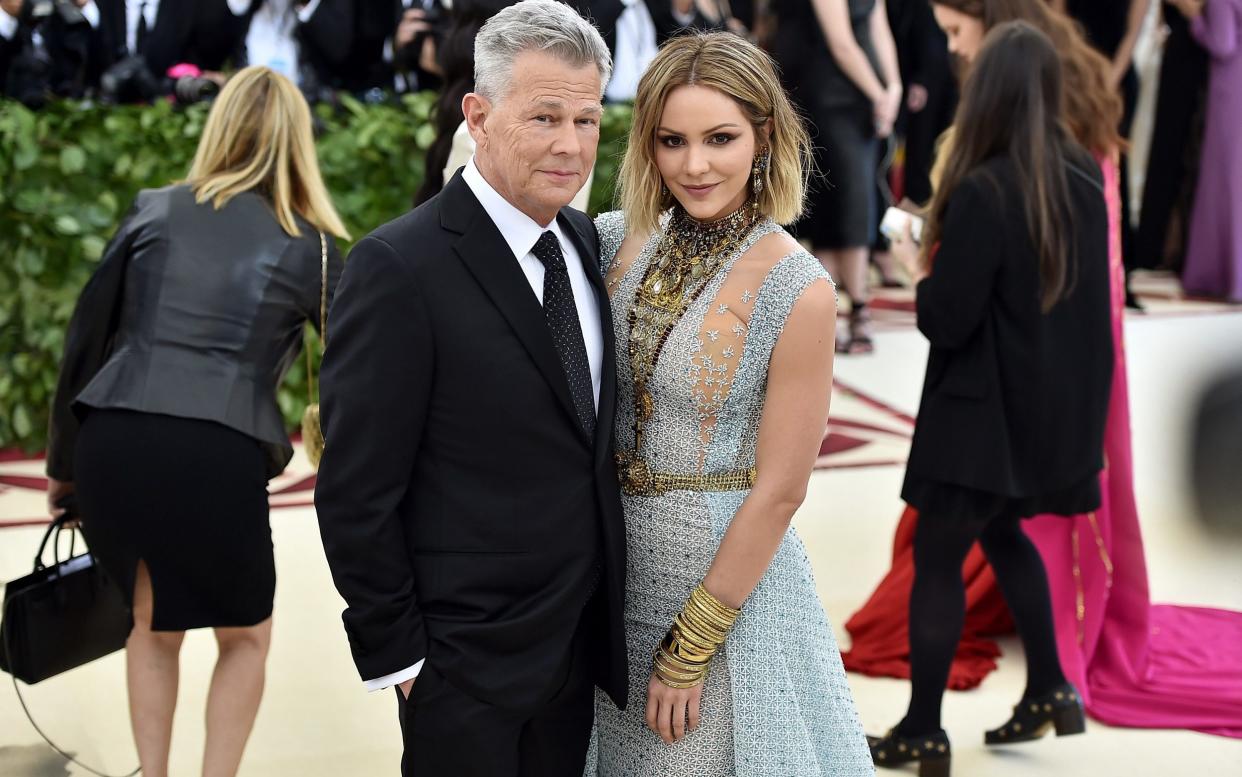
(739, 69)
(258, 137)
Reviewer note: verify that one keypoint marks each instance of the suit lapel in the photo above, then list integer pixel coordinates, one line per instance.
(486, 255)
(588, 248)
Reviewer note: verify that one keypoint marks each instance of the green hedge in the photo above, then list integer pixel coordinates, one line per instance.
(70, 171)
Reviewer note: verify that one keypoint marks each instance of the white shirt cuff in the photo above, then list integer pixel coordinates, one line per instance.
(8, 25)
(91, 12)
(305, 15)
(396, 678)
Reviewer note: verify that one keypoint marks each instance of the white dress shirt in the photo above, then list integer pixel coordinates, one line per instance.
(636, 47)
(270, 40)
(521, 233)
(8, 25)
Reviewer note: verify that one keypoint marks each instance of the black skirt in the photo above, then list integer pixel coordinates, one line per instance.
(841, 205)
(972, 506)
(187, 497)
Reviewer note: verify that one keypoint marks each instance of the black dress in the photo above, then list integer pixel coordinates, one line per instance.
(1105, 23)
(841, 210)
(165, 415)
(1176, 140)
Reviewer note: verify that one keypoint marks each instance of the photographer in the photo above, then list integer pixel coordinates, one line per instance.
(305, 41)
(44, 48)
(414, 45)
(137, 42)
(394, 48)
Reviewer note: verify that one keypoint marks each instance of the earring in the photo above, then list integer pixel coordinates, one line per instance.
(762, 161)
(664, 192)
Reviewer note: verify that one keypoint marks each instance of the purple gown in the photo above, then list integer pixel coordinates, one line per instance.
(1214, 252)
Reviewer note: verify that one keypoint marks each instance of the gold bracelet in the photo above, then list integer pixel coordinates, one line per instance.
(674, 684)
(663, 670)
(703, 595)
(714, 607)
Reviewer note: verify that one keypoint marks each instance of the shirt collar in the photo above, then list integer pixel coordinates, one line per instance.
(520, 231)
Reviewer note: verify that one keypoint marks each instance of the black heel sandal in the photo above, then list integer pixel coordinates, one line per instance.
(1060, 710)
(931, 752)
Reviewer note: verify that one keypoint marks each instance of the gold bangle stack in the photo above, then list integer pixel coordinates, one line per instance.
(698, 631)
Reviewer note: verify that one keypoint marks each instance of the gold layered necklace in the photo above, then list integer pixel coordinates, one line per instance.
(689, 255)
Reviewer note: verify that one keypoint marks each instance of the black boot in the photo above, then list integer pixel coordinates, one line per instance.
(930, 751)
(1060, 708)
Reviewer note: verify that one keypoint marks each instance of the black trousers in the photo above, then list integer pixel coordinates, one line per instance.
(448, 733)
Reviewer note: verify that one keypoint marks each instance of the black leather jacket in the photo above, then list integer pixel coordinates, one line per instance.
(193, 312)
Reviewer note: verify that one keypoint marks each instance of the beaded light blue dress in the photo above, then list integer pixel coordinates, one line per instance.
(776, 702)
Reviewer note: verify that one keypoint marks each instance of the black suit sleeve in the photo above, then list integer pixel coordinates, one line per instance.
(329, 32)
(375, 387)
(87, 344)
(952, 301)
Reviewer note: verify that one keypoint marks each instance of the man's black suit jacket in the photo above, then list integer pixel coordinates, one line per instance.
(199, 32)
(324, 39)
(464, 511)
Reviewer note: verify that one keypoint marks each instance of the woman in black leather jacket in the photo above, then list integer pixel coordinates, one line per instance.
(165, 418)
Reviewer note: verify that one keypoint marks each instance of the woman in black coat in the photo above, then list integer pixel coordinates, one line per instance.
(165, 418)
(1015, 398)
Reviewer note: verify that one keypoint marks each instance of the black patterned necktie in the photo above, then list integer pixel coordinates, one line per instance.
(562, 316)
(141, 37)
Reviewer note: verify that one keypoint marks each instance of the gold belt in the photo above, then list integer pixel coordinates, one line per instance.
(637, 479)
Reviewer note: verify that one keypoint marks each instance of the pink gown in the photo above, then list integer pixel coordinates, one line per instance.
(1135, 663)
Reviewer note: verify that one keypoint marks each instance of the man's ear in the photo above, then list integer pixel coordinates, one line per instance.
(476, 108)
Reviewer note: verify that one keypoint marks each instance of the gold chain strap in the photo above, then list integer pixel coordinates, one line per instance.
(323, 318)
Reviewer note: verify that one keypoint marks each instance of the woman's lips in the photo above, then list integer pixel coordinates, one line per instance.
(700, 190)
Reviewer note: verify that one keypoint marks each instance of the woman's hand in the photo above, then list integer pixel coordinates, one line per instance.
(886, 108)
(57, 490)
(668, 708)
(906, 252)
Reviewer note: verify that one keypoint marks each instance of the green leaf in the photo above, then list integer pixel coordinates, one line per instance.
(72, 160)
(26, 156)
(68, 225)
(22, 425)
(425, 136)
(93, 247)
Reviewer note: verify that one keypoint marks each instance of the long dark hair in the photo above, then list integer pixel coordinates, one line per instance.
(455, 56)
(1092, 107)
(1011, 107)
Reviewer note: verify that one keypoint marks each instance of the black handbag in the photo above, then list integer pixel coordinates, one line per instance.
(60, 617)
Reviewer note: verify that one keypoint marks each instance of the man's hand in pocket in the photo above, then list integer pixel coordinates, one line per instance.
(406, 687)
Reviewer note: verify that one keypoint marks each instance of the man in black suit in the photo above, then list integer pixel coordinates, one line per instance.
(167, 32)
(468, 500)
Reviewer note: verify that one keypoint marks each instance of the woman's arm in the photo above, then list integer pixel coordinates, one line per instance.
(87, 343)
(886, 50)
(1125, 51)
(791, 431)
(1215, 26)
(952, 301)
(834, 20)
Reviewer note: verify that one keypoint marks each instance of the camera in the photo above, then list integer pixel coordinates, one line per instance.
(130, 81)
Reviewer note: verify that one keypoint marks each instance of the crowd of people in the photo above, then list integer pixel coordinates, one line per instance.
(567, 546)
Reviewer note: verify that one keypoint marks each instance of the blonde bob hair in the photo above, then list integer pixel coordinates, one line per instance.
(739, 69)
(258, 137)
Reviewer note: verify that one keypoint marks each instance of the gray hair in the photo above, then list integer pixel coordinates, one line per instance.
(535, 25)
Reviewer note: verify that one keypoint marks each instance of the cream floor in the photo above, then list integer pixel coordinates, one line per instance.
(316, 721)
